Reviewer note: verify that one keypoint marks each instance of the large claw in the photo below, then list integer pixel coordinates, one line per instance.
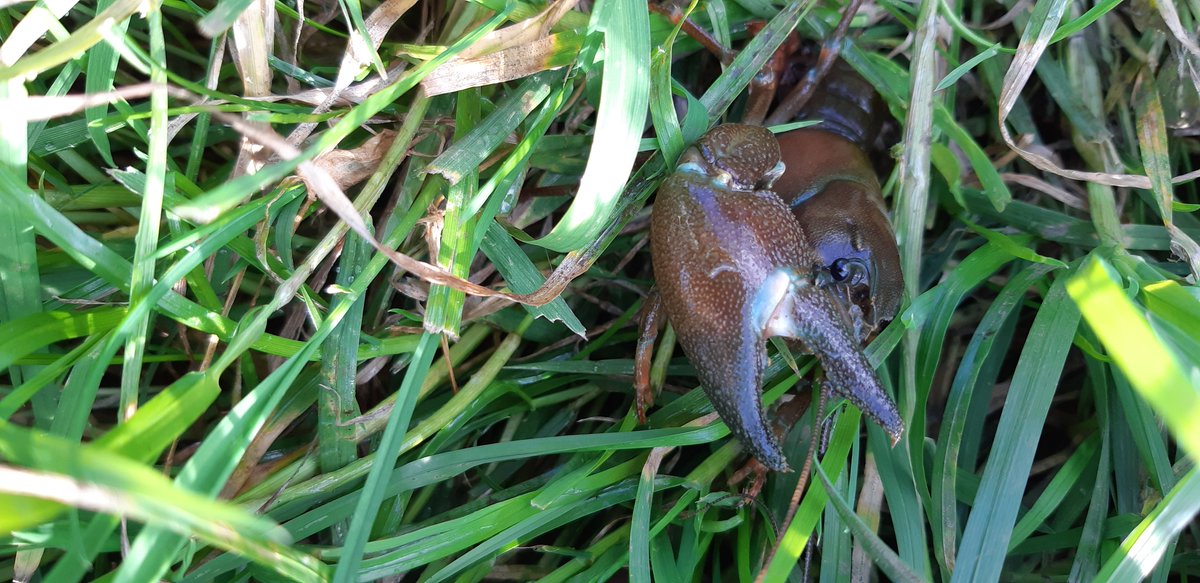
(730, 362)
(731, 375)
(820, 321)
(733, 268)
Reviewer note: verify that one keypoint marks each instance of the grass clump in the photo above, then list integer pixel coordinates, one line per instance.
(293, 292)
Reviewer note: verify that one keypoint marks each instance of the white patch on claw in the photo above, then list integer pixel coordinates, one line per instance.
(768, 179)
(771, 308)
(721, 269)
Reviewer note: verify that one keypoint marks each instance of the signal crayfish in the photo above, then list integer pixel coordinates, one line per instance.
(756, 235)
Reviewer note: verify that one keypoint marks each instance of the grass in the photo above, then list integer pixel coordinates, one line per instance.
(232, 348)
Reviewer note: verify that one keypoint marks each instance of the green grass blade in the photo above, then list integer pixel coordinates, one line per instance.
(146, 495)
(337, 401)
(944, 501)
(385, 458)
(149, 220)
(1143, 548)
(468, 153)
(1136, 350)
(23, 336)
(885, 558)
(792, 544)
(621, 115)
(523, 277)
(994, 511)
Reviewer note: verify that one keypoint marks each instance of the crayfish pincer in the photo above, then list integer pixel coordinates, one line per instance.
(733, 268)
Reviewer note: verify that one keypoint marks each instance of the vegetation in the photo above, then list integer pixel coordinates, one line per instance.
(236, 346)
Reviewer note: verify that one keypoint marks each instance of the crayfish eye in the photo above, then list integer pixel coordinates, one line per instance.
(840, 270)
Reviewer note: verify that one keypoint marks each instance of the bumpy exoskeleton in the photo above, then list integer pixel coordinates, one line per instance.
(734, 267)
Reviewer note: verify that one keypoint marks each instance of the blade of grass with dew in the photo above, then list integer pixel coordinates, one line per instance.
(994, 511)
(40, 22)
(504, 179)
(620, 116)
(567, 510)
(523, 277)
(526, 523)
(468, 153)
(526, 519)
(504, 515)
(499, 247)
